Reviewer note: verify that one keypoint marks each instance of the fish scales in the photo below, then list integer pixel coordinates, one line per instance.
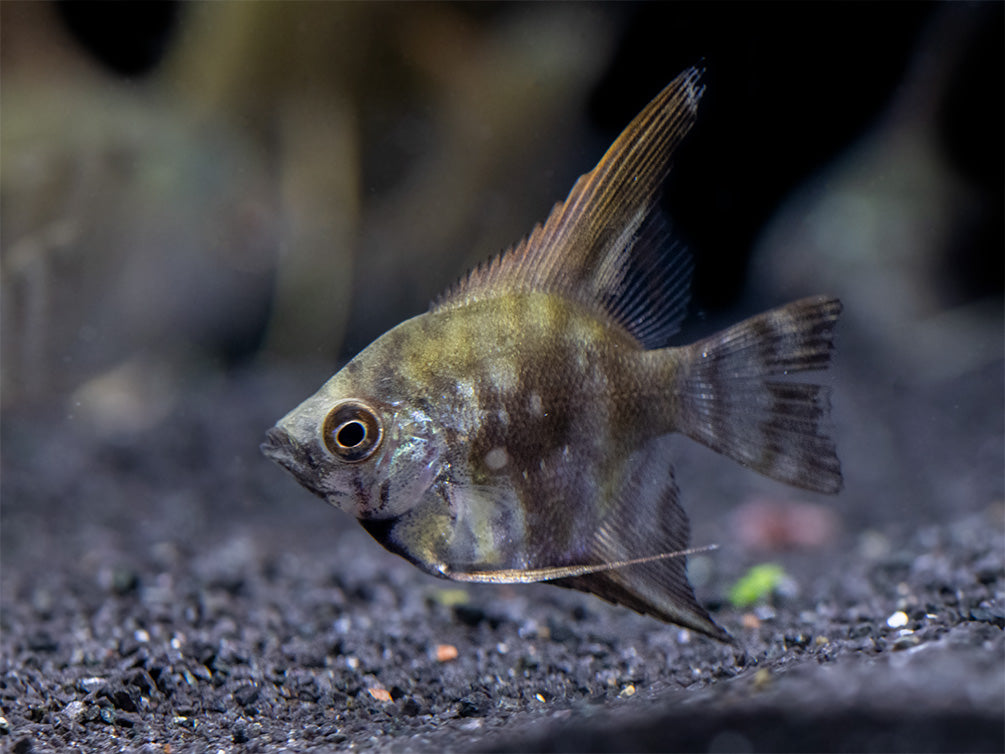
(519, 430)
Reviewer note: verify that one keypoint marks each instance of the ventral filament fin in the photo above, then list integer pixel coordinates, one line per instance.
(531, 575)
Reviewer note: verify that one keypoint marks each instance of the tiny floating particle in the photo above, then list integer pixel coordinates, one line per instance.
(898, 620)
(446, 652)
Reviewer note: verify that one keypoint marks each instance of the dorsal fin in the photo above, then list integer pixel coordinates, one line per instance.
(607, 245)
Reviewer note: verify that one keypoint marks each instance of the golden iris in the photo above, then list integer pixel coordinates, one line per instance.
(352, 431)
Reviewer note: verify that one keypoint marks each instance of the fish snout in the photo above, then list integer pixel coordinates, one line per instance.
(278, 445)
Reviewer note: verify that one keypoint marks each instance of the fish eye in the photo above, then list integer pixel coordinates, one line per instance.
(352, 431)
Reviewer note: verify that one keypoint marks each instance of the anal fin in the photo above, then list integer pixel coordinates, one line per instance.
(646, 517)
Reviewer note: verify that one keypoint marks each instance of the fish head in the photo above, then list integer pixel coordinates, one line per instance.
(367, 451)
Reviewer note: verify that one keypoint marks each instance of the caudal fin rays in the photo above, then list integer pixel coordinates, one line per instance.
(778, 428)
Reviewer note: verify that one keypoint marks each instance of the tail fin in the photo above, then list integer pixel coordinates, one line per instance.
(773, 427)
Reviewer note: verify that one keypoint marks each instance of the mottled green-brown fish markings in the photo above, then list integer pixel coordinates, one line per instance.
(518, 431)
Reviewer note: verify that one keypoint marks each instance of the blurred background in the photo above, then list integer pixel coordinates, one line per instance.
(193, 191)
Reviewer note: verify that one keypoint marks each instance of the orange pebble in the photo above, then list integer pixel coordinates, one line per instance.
(380, 693)
(446, 652)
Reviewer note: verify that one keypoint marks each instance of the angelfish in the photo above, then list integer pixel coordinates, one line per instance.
(518, 430)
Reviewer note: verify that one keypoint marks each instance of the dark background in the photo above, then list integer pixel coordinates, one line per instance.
(206, 208)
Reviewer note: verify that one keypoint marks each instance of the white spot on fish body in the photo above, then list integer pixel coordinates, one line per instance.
(536, 405)
(465, 390)
(505, 378)
(496, 458)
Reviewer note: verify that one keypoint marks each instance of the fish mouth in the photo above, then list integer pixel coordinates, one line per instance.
(279, 447)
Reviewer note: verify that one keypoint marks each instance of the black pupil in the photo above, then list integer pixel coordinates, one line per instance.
(351, 434)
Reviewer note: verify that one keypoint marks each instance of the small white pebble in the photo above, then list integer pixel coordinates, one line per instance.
(141, 635)
(540, 697)
(342, 625)
(74, 709)
(898, 620)
(91, 684)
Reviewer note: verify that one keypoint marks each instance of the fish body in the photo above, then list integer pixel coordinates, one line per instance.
(518, 430)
